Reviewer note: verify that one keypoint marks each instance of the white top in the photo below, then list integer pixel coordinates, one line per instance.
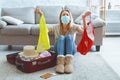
(56, 30)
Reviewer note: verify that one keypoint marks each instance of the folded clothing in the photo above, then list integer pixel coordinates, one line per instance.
(44, 54)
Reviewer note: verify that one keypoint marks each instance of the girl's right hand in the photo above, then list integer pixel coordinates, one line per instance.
(38, 10)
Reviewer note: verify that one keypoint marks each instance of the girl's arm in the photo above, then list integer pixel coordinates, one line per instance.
(39, 11)
(79, 29)
(88, 13)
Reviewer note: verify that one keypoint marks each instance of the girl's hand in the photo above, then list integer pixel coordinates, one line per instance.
(86, 14)
(38, 10)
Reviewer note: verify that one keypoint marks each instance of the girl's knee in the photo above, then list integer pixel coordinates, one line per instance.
(68, 37)
(60, 40)
(61, 37)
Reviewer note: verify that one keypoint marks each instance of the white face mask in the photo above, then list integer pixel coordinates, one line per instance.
(65, 19)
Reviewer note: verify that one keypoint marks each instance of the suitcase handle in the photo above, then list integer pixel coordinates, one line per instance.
(44, 62)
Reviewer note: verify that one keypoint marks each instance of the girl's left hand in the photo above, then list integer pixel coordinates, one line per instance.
(86, 14)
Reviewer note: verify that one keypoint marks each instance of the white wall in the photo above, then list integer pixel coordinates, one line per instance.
(113, 3)
(27, 3)
(0, 7)
(23, 3)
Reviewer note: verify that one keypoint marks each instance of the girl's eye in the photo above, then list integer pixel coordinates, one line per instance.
(65, 15)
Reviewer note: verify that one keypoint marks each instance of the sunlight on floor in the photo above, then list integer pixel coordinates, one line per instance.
(111, 52)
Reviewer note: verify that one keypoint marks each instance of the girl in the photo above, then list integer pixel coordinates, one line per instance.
(65, 47)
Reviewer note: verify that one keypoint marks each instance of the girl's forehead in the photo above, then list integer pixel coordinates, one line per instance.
(65, 12)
